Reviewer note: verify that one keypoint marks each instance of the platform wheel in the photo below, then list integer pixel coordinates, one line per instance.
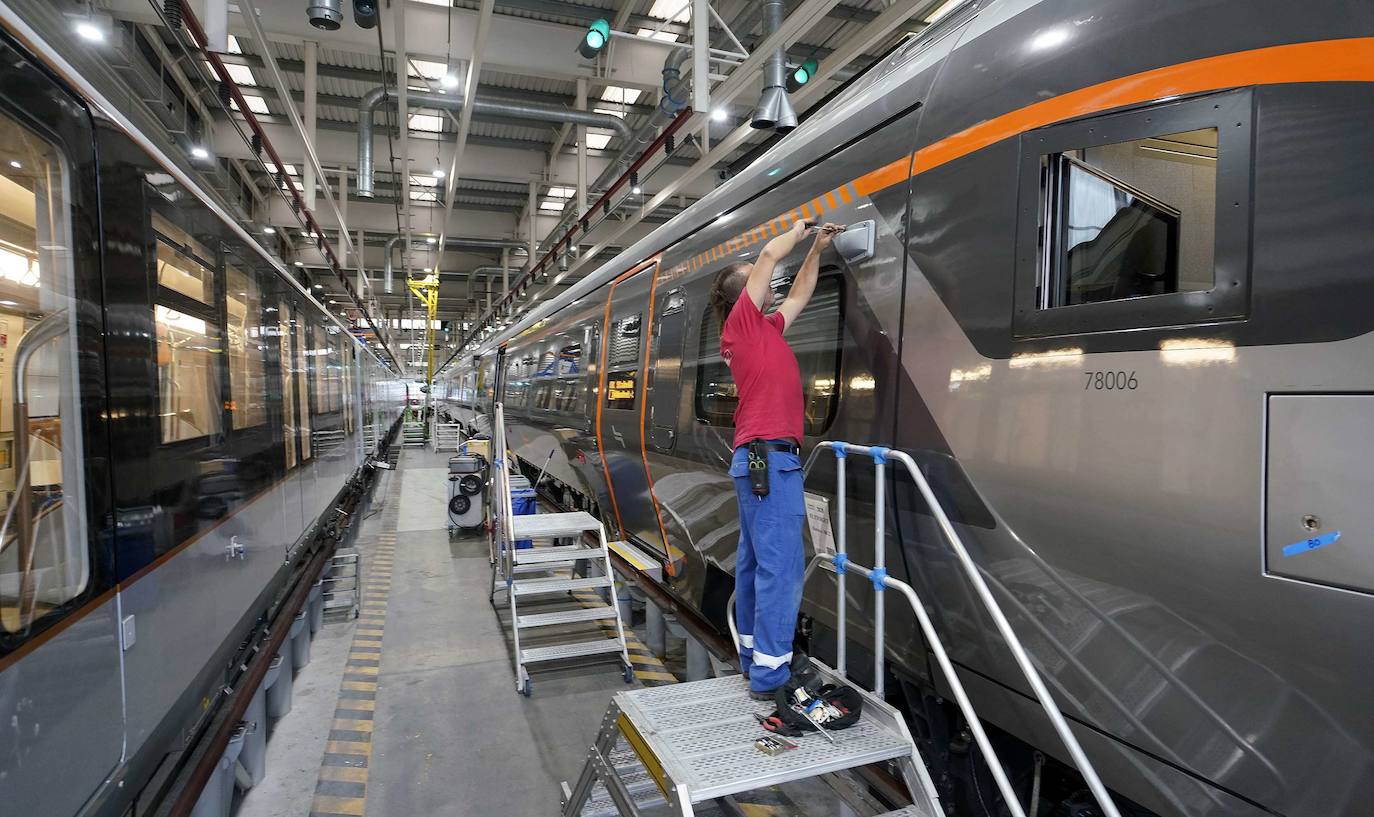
(527, 690)
(629, 674)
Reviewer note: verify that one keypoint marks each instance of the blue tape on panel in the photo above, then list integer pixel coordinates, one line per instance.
(840, 559)
(877, 576)
(1311, 544)
(879, 454)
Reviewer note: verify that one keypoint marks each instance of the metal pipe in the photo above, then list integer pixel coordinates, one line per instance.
(879, 564)
(841, 547)
(486, 106)
(774, 109)
(308, 115)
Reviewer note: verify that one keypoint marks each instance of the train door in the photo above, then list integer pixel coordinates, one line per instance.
(663, 387)
(61, 699)
(620, 401)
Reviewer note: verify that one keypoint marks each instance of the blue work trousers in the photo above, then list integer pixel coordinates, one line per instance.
(768, 567)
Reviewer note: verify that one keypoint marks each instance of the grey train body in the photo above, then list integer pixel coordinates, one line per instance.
(183, 520)
(1128, 472)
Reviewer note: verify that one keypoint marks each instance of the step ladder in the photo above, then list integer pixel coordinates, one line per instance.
(695, 741)
(413, 435)
(561, 561)
(342, 593)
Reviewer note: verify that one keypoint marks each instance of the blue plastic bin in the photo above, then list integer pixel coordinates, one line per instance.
(522, 503)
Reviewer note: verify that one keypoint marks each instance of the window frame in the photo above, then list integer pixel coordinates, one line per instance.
(212, 313)
(1232, 114)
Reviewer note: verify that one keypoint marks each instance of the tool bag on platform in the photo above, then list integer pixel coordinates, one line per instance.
(799, 709)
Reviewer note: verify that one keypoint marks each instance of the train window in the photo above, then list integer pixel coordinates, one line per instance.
(624, 348)
(184, 264)
(188, 353)
(1120, 226)
(189, 344)
(44, 561)
(1129, 219)
(815, 338)
(247, 351)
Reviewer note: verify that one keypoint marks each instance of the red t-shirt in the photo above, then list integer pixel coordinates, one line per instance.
(765, 372)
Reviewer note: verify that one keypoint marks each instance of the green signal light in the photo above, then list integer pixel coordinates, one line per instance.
(804, 72)
(598, 34)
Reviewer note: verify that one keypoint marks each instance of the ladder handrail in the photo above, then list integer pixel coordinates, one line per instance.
(843, 566)
(878, 574)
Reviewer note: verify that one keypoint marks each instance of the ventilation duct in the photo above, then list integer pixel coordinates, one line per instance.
(325, 14)
(485, 107)
(774, 109)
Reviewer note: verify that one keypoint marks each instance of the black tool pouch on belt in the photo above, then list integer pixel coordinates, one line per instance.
(758, 467)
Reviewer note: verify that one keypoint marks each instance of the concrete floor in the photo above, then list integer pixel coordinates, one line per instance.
(449, 736)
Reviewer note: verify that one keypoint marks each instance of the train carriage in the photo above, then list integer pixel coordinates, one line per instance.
(1107, 279)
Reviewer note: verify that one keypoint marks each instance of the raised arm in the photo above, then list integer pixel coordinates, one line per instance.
(761, 274)
(804, 284)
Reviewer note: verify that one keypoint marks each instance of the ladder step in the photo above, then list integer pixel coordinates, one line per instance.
(573, 649)
(565, 616)
(551, 525)
(524, 587)
(566, 553)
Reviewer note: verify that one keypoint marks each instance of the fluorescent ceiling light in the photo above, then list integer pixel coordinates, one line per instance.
(943, 9)
(428, 69)
(424, 181)
(551, 204)
(200, 152)
(718, 115)
(620, 95)
(426, 122)
(423, 195)
(240, 74)
(562, 192)
(449, 80)
(666, 36)
(234, 47)
(437, 173)
(598, 141)
(662, 8)
(256, 104)
(271, 168)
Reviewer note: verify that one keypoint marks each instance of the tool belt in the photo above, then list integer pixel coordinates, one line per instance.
(758, 463)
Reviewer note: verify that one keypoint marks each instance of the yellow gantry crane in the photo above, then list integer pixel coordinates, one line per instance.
(427, 291)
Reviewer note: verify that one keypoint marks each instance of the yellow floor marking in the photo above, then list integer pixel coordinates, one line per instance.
(351, 725)
(359, 686)
(338, 805)
(344, 774)
(360, 670)
(360, 704)
(348, 747)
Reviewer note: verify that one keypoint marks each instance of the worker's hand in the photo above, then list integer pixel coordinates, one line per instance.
(826, 233)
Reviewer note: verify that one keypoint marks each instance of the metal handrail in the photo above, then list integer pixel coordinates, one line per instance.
(841, 564)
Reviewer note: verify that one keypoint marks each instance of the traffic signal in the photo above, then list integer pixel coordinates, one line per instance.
(802, 74)
(598, 34)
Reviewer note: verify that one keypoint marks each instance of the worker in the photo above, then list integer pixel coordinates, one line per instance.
(766, 465)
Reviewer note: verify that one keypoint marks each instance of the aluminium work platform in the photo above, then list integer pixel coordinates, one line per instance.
(695, 742)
